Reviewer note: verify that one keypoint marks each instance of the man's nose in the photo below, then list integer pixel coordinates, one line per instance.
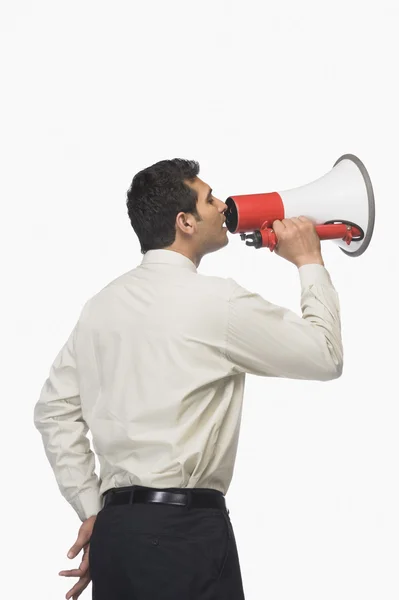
(224, 207)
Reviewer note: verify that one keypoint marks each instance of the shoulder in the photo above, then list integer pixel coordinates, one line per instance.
(104, 295)
(213, 285)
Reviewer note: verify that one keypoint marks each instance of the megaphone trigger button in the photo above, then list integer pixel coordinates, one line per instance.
(349, 235)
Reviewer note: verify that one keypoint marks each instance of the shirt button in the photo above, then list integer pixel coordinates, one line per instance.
(155, 541)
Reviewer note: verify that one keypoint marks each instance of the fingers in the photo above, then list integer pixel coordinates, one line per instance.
(291, 229)
(290, 224)
(72, 573)
(279, 226)
(84, 536)
(302, 222)
(82, 540)
(76, 548)
(78, 587)
(83, 567)
(283, 227)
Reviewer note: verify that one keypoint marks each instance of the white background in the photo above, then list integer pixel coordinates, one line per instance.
(266, 96)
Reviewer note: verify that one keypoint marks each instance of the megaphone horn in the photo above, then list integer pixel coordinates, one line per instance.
(340, 204)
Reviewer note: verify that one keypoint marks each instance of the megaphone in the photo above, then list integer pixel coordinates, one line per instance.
(340, 204)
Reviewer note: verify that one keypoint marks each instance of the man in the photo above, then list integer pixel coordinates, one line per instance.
(155, 367)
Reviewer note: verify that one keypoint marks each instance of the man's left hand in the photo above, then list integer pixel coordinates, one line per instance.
(83, 572)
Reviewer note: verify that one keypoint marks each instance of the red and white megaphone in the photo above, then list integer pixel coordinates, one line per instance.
(340, 204)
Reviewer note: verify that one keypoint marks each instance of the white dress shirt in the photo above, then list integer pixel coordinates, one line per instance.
(155, 368)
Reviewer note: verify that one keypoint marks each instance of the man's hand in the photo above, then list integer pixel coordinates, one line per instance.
(297, 241)
(83, 571)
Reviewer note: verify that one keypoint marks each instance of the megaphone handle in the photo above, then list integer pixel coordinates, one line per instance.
(325, 232)
(336, 231)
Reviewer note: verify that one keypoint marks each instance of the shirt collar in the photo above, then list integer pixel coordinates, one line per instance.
(168, 257)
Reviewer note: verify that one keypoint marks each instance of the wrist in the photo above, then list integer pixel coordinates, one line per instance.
(310, 260)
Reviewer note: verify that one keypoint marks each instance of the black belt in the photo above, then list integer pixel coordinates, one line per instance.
(191, 498)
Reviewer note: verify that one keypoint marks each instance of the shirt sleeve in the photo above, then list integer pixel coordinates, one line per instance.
(271, 341)
(58, 417)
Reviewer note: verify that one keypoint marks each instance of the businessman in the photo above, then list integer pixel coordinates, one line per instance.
(155, 367)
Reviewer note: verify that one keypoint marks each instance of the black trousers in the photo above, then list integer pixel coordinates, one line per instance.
(158, 551)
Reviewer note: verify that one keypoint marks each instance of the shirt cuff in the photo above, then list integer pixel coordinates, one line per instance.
(87, 503)
(314, 275)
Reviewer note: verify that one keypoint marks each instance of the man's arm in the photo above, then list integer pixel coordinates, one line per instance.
(271, 341)
(58, 417)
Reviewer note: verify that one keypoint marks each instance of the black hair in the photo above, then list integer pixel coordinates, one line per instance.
(156, 195)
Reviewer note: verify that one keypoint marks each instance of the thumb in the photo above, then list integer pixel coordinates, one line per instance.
(278, 227)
